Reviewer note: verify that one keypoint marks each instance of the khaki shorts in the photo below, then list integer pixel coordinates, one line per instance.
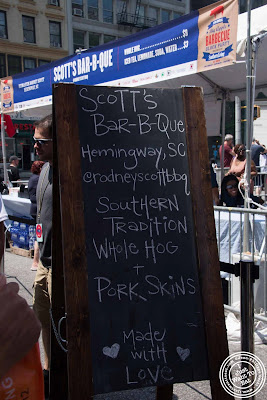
(42, 294)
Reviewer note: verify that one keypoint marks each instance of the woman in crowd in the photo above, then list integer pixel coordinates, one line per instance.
(238, 165)
(32, 186)
(230, 193)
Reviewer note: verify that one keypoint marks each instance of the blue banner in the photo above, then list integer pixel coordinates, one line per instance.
(170, 50)
(166, 45)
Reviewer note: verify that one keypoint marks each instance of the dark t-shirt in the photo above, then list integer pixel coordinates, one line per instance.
(13, 174)
(44, 197)
(32, 186)
(256, 149)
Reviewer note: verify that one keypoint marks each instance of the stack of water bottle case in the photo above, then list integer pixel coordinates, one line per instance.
(22, 235)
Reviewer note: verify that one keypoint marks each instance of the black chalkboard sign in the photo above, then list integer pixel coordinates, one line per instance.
(133, 292)
(145, 306)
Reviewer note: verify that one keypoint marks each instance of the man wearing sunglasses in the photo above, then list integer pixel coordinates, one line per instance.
(42, 285)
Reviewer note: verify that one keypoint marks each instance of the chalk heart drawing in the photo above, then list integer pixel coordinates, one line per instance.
(112, 351)
(182, 353)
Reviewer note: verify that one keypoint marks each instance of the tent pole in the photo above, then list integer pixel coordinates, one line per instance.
(4, 148)
(238, 138)
(223, 135)
(249, 124)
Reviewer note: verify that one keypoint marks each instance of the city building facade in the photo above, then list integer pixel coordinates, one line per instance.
(32, 33)
(97, 22)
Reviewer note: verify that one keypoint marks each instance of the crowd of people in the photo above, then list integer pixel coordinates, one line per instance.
(232, 185)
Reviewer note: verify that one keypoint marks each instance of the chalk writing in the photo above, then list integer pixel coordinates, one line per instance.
(144, 289)
(150, 376)
(151, 336)
(163, 177)
(144, 125)
(117, 98)
(142, 275)
(132, 156)
(139, 206)
(154, 227)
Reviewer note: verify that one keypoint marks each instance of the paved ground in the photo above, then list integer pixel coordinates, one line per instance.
(17, 269)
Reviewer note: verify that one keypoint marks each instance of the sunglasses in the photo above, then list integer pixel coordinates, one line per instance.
(41, 142)
(231, 186)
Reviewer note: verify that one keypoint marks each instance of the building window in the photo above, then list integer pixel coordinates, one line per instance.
(14, 65)
(77, 8)
(165, 16)
(28, 29)
(94, 39)
(3, 25)
(141, 16)
(2, 66)
(109, 38)
(121, 6)
(54, 3)
(55, 34)
(177, 15)
(254, 4)
(29, 63)
(42, 62)
(92, 9)
(108, 11)
(78, 40)
(153, 13)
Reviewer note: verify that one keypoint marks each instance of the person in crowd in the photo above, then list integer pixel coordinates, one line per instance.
(3, 187)
(13, 171)
(214, 186)
(19, 334)
(231, 195)
(43, 279)
(263, 168)
(3, 217)
(238, 165)
(228, 151)
(32, 186)
(257, 149)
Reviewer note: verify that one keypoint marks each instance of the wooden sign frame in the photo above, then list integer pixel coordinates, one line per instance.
(72, 232)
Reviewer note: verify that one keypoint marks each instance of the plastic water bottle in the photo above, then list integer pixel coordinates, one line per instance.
(24, 240)
(31, 242)
(14, 231)
(24, 227)
(32, 231)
